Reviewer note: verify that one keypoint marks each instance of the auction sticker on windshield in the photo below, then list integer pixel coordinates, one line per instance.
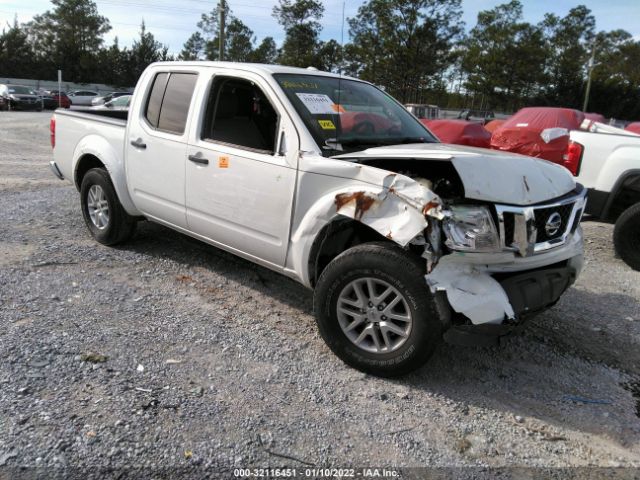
(326, 125)
(317, 103)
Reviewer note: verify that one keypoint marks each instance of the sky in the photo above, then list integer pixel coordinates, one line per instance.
(173, 22)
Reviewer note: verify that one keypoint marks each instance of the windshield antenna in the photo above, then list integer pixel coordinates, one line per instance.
(341, 62)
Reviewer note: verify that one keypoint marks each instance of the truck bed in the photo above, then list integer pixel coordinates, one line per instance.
(118, 114)
(93, 132)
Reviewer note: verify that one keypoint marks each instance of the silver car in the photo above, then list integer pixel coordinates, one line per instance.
(118, 103)
(101, 100)
(82, 97)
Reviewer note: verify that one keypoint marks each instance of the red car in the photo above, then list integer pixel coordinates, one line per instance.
(364, 123)
(459, 132)
(541, 132)
(61, 98)
(633, 127)
(595, 117)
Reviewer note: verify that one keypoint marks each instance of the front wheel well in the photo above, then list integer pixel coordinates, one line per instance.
(336, 237)
(86, 163)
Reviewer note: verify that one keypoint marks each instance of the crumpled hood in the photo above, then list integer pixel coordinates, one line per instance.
(487, 175)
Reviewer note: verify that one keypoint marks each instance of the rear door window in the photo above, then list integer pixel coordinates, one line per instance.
(176, 101)
(154, 102)
(168, 103)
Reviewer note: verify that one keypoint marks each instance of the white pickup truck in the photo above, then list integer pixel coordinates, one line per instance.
(606, 160)
(330, 181)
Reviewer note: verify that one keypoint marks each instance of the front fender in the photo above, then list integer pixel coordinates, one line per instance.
(398, 210)
(97, 146)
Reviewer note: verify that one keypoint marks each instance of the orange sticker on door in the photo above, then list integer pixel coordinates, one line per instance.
(223, 162)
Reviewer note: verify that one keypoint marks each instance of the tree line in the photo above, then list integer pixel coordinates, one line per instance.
(418, 50)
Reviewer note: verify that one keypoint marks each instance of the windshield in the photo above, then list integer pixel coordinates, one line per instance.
(348, 115)
(20, 90)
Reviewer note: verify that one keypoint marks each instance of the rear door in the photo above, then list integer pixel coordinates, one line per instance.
(240, 177)
(156, 147)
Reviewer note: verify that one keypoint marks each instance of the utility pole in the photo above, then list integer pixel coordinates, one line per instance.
(590, 66)
(223, 14)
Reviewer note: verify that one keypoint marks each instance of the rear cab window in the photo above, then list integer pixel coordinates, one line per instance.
(168, 102)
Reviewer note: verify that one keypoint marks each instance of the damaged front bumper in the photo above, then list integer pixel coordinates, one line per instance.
(525, 293)
(493, 292)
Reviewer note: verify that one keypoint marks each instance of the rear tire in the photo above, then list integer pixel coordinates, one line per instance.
(381, 267)
(103, 213)
(626, 236)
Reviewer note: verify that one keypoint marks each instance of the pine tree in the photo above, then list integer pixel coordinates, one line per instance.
(68, 37)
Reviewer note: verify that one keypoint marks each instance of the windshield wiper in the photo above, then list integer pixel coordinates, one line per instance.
(358, 141)
(401, 140)
(383, 141)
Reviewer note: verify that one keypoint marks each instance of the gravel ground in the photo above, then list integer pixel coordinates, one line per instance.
(170, 355)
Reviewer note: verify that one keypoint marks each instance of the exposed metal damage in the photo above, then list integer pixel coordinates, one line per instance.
(414, 203)
(401, 212)
(408, 212)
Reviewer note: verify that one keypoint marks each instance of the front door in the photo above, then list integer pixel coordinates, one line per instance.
(239, 187)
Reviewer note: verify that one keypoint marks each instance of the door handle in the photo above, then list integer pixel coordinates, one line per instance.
(198, 159)
(139, 144)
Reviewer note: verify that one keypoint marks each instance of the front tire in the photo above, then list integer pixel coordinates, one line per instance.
(103, 214)
(626, 236)
(375, 311)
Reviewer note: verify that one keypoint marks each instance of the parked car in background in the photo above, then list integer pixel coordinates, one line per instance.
(405, 241)
(364, 123)
(492, 125)
(482, 116)
(595, 117)
(48, 101)
(105, 98)
(118, 103)
(82, 97)
(606, 160)
(61, 99)
(541, 132)
(459, 132)
(422, 110)
(633, 127)
(19, 97)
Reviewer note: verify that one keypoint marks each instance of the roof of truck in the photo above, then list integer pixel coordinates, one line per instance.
(263, 68)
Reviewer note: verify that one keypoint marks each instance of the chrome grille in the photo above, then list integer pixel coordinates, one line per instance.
(542, 215)
(523, 229)
(509, 228)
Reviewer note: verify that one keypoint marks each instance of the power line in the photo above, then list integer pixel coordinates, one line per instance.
(172, 10)
(153, 27)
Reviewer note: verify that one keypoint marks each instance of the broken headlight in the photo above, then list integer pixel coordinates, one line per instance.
(469, 227)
